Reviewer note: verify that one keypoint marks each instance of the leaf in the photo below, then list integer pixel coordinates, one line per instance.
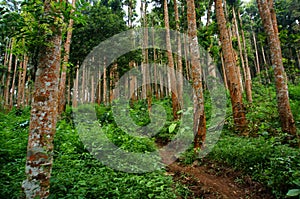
(293, 192)
(172, 127)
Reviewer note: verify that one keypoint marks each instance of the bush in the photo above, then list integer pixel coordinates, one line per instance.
(277, 166)
(76, 173)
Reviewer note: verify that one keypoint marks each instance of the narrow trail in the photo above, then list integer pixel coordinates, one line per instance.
(212, 181)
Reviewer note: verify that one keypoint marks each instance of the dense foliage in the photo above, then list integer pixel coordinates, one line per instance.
(76, 173)
(266, 156)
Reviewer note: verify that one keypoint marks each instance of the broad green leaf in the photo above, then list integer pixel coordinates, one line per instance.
(293, 192)
(172, 127)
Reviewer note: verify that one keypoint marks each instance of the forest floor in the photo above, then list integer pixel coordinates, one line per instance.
(215, 181)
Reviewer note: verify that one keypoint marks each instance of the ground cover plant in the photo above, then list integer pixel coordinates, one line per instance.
(267, 155)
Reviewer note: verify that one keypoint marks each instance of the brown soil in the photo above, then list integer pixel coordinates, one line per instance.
(215, 181)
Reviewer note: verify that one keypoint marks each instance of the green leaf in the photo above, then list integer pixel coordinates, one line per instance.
(172, 127)
(293, 192)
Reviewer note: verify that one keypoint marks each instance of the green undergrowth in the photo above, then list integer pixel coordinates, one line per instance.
(76, 173)
(269, 162)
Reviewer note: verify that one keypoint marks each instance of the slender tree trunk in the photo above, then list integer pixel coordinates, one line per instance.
(256, 54)
(104, 84)
(27, 93)
(248, 80)
(75, 88)
(199, 114)
(146, 73)
(244, 57)
(6, 57)
(231, 71)
(12, 91)
(155, 65)
(43, 116)
(172, 78)
(64, 68)
(69, 90)
(19, 84)
(266, 68)
(239, 43)
(22, 79)
(82, 85)
(223, 70)
(179, 59)
(99, 88)
(8, 77)
(186, 54)
(270, 26)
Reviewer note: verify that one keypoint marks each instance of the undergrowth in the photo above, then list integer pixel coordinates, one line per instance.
(76, 173)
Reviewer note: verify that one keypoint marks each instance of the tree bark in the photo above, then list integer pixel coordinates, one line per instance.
(270, 26)
(239, 43)
(64, 68)
(8, 77)
(43, 115)
(75, 88)
(256, 54)
(199, 114)
(179, 58)
(248, 81)
(231, 71)
(22, 82)
(223, 70)
(12, 91)
(172, 79)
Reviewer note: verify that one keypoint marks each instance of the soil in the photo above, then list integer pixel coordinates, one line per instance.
(215, 181)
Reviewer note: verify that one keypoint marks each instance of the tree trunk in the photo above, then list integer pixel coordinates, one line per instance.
(64, 68)
(223, 70)
(69, 90)
(8, 77)
(12, 91)
(104, 83)
(199, 114)
(256, 54)
(187, 63)
(22, 82)
(239, 43)
(248, 80)
(179, 59)
(231, 71)
(75, 88)
(286, 116)
(43, 116)
(172, 78)
(6, 57)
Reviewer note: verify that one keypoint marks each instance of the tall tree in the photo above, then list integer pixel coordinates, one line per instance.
(170, 61)
(179, 56)
(199, 114)
(8, 78)
(267, 13)
(232, 73)
(248, 81)
(44, 109)
(63, 76)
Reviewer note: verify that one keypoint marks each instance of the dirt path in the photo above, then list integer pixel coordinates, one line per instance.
(211, 181)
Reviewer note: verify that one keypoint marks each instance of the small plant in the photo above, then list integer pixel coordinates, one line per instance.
(294, 192)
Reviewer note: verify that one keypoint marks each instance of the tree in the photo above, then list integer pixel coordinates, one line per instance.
(231, 70)
(63, 76)
(171, 62)
(267, 13)
(199, 114)
(44, 108)
(179, 56)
